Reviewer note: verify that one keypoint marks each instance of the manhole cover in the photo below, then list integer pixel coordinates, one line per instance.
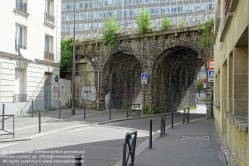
(196, 138)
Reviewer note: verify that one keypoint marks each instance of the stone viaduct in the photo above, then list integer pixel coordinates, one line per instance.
(171, 58)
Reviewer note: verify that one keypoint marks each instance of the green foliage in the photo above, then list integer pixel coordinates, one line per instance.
(181, 23)
(199, 84)
(192, 108)
(207, 38)
(143, 21)
(66, 56)
(111, 29)
(165, 23)
(156, 110)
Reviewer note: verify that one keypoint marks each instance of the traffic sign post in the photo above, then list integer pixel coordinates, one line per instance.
(210, 64)
(144, 78)
(210, 76)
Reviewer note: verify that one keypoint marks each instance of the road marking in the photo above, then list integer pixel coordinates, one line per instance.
(80, 129)
(5, 145)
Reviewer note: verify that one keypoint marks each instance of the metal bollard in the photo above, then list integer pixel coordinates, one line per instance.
(172, 118)
(59, 108)
(3, 116)
(39, 121)
(188, 115)
(78, 160)
(110, 113)
(150, 143)
(13, 126)
(85, 112)
(32, 108)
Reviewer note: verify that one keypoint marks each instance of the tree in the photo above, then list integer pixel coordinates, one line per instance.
(199, 84)
(66, 56)
(111, 29)
(143, 21)
(165, 23)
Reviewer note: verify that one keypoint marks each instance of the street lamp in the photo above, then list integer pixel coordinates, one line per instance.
(73, 71)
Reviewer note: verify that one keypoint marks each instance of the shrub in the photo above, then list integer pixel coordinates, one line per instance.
(181, 23)
(207, 38)
(165, 23)
(143, 21)
(111, 29)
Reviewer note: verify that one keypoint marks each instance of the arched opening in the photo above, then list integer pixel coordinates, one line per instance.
(121, 81)
(174, 74)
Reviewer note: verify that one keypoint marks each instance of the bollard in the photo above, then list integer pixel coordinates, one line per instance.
(78, 160)
(32, 108)
(39, 121)
(150, 146)
(172, 118)
(110, 113)
(188, 115)
(3, 116)
(59, 108)
(85, 112)
(13, 126)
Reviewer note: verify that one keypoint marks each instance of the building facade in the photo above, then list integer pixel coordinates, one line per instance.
(30, 54)
(89, 14)
(231, 79)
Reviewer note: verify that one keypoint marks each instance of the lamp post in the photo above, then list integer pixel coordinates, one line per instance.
(73, 71)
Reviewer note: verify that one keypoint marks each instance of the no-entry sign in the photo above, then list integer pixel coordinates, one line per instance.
(210, 64)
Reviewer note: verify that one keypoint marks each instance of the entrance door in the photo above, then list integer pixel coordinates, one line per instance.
(47, 91)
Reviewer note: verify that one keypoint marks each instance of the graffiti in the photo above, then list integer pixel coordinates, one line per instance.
(88, 93)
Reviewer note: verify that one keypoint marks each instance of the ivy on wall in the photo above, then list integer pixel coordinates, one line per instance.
(111, 29)
(207, 37)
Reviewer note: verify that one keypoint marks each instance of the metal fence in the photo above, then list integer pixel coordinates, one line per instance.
(190, 19)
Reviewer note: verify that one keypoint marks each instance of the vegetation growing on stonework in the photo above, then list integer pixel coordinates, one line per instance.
(207, 37)
(181, 23)
(66, 56)
(111, 29)
(143, 21)
(199, 84)
(165, 23)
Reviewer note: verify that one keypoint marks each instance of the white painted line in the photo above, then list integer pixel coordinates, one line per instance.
(5, 145)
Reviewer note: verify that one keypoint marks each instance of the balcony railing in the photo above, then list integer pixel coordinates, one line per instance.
(19, 97)
(21, 6)
(48, 57)
(49, 18)
(227, 7)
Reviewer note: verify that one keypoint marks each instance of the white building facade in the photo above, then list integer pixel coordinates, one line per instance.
(30, 54)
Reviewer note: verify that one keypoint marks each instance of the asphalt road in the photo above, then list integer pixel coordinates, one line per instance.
(100, 145)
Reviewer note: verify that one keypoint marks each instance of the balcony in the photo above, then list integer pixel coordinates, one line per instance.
(49, 19)
(19, 98)
(48, 57)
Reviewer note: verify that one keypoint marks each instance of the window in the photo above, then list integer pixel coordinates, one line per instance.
(80, 27)
(119, 13)
(95, 4)
(85, 16)
(76, 16)
(67, 28)
(109, 2)
(105, 2)
(63, 28)
(90, 15)
(48, 44)
(81, 16)
(71, 27)
(63, 17)
(76, 27)
(90, 5)
(119, 2)
(95, 25)
(157, 11)
(100, 14)
(19, 39)
(67, 6)
(86, 4)
(110, 14)
(63, 7)
(19, 81)
(131, 13)
(210, 6)
(49, 6)
(125, 13)
(72, 6)
(67, 17)
(81, 5)
(152, 11)
(100, 24)
(95, 15)
(100, 3)
(71, 17)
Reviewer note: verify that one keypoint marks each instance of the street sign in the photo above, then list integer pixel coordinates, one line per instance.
(144, 78)
(56, 79)
(210, 64)
(210, 76)
(205, 81)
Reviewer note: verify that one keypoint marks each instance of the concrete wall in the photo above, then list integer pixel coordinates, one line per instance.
(231, 81)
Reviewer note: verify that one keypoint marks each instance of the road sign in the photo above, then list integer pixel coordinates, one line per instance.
(210, 64)
(210, 76)
(205, 81)
(144, 78)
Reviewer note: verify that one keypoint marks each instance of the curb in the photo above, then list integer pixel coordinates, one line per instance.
(78, 126)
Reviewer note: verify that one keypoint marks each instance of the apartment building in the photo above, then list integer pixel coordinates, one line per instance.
(29, 54)
(89, 14)
(231, 79)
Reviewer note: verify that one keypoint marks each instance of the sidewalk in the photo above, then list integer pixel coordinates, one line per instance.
(189, 144)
